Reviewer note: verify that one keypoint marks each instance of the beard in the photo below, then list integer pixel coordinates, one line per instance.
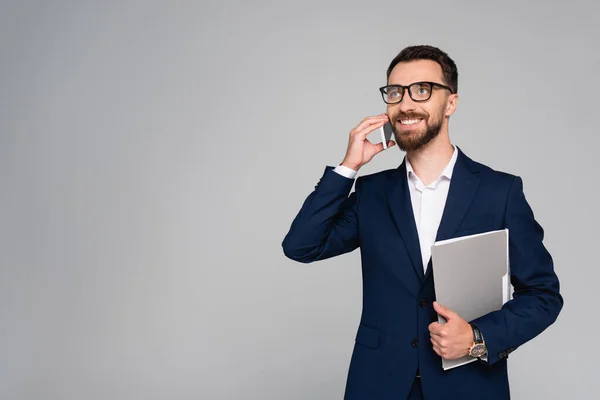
(414, 140)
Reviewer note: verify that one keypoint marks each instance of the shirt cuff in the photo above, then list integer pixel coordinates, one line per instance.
(345, 171)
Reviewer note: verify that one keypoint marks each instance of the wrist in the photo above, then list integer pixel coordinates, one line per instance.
(478, 348)
(349, 165)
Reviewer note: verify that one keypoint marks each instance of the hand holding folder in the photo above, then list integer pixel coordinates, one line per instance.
(471, 277)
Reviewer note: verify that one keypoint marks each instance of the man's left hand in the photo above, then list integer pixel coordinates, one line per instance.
(453, 339)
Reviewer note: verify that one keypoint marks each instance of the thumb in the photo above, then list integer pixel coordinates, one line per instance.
(443, 311)
(379, 146)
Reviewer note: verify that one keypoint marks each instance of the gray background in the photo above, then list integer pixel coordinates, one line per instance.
(153, 156)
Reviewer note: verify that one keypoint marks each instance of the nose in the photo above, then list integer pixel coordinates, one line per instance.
(407, 105)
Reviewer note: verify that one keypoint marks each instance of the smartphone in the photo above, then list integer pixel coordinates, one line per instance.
(386, 134)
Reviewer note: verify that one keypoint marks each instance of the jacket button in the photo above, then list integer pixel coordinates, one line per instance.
(423, 303)
(415, 342)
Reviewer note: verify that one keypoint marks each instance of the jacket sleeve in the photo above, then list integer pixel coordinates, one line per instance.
(327, 223)
(536, 299)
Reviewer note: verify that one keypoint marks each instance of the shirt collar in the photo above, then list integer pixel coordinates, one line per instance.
(447, 172)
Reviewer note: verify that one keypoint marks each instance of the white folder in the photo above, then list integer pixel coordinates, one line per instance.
(471, 277)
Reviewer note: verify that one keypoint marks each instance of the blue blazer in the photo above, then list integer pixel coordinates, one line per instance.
(392, 340)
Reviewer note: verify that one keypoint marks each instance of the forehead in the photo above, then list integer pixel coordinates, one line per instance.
(408, 72)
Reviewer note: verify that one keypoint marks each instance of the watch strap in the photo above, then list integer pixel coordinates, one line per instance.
(477, 336)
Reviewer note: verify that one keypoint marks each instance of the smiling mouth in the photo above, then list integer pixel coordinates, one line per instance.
(409, 123)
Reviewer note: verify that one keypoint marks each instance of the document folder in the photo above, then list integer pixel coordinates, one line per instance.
(471, 277)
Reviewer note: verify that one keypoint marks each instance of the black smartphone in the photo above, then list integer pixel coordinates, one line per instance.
(386, 134)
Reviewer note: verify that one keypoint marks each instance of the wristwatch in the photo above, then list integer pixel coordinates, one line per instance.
(478, 348)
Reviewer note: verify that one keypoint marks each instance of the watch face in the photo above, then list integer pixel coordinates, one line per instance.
(478, 350)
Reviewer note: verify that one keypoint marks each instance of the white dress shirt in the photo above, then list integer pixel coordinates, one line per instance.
(427, 202)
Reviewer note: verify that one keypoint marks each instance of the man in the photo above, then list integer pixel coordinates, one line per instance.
(395, 216)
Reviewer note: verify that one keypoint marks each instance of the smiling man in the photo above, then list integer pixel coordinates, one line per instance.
(395, 215)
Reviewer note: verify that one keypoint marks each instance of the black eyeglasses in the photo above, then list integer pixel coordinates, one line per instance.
(418, 91)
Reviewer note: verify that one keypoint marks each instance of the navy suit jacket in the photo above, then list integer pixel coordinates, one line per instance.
(392, 340)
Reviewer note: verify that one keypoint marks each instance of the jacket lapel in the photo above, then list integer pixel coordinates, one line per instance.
(463, 186)
(400, 205)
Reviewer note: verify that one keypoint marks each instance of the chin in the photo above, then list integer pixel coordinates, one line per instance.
(410, 141)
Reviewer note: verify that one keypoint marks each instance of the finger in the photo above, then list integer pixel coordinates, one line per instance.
(362, 133)
(437, 336)
(379, 146)
(443, 311)
(441, 343)
(435, 327)
(437, 350)
(390, 143)
(370, 120)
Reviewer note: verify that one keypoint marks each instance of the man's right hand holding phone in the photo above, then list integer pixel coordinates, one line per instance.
(360, 151)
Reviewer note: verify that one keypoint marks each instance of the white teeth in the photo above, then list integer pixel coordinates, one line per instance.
(409, 121)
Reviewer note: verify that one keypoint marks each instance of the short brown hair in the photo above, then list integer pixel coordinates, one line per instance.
(425, 52)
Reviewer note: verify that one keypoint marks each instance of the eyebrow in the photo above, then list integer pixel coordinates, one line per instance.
(422, 80)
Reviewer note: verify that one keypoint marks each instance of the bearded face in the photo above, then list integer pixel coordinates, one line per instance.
(416, 118)
(414, 129)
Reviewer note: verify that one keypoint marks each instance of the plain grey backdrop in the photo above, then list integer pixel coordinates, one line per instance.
(154, 154)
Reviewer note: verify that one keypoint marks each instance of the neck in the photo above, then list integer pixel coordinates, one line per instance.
(429, 161)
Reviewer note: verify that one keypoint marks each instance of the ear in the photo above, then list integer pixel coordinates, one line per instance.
(451, 104)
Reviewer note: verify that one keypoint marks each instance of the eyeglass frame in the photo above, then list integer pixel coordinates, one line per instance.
(404, 88)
